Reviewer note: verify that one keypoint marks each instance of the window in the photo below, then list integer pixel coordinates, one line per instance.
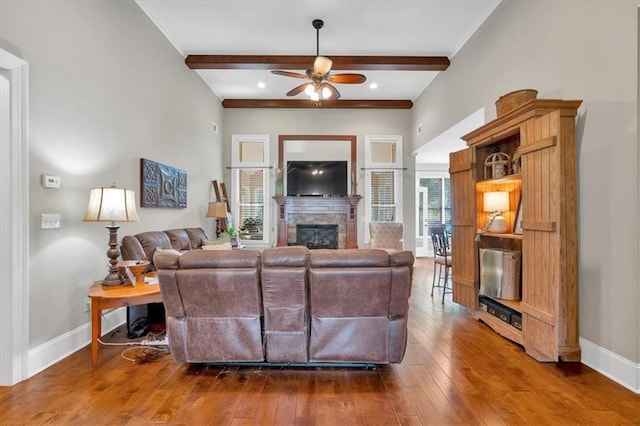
(250, 187)
(383, 179)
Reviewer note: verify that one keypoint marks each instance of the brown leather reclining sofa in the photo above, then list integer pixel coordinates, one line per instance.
(285, 305)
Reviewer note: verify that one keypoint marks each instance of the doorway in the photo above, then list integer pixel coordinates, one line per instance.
(432, 176)
(14, 214)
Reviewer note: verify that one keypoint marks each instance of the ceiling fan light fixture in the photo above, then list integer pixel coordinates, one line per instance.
(309, 89)
(322, 65)
(319, 76)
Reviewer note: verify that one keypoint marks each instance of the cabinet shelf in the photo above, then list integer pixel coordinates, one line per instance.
(513, 304)
(507, 236)
(499, 326)
(504, 179)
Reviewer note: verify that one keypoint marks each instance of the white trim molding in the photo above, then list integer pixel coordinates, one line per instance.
(48, 353)
(619, 369)
(14, 233)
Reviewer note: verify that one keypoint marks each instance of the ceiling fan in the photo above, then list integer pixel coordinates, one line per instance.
(320, 85)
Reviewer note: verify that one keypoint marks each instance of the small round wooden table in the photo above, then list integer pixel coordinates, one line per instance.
(118, 297)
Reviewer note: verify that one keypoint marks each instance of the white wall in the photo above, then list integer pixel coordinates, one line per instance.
(106, 89)
(570, 50)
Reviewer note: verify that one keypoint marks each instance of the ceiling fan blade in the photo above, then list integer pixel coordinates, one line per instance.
(334, 92)
(296, 90)
(289, 74)
(322, 65)
(347, 78)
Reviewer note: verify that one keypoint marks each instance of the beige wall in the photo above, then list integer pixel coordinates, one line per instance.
(569, 50)
(106, 89)
(275, 122)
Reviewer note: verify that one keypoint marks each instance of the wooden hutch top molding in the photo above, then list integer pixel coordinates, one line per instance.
(507, 124)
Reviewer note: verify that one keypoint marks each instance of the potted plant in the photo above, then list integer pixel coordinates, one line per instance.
(252, 225)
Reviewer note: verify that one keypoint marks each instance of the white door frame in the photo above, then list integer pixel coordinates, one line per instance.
(14, 221)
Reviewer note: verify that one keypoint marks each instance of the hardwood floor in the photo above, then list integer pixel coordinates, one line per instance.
(456, 372)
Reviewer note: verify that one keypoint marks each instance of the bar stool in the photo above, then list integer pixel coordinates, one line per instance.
(441, 259)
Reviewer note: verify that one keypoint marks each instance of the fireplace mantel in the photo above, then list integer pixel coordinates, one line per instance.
(290, 206)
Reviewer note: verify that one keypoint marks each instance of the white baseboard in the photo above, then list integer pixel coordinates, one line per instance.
(49, 353)
(619, 369)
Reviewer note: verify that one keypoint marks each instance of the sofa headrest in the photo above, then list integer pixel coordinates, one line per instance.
(220, 259)
(285, 256)
(196, 235)
(179, 239)
(326, 258)
(152, 240)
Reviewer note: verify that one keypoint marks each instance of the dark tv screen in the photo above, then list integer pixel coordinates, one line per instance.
(320, 178)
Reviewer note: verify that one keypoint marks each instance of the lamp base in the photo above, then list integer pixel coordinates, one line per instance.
(113, 279)
(497, 225)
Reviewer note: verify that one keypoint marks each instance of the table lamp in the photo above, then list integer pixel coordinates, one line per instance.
(217, 209)
(111, 204)
(496, 202)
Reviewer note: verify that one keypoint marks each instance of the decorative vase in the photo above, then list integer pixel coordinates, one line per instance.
(279, 187)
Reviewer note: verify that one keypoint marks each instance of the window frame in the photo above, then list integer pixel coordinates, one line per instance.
(370, 166)
(236, 166)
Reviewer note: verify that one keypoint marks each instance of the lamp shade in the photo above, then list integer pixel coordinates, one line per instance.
(217, 209)
(497, 201)
(322, 65)
(111, 204)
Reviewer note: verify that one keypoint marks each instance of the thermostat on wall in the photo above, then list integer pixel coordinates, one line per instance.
(49, 181)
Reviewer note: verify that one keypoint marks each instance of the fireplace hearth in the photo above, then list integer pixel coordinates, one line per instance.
(317, 236)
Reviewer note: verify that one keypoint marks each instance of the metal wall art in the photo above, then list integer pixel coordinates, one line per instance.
(162, 185)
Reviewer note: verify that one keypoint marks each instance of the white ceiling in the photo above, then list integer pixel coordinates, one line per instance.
(265, 27)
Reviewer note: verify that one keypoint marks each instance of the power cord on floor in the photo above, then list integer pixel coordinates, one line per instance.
(148, 354)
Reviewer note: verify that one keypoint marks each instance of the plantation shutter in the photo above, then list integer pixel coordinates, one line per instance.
(251, 195)
(383, 195)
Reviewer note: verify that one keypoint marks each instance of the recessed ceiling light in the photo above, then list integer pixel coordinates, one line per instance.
(261, 85)
(373, 86)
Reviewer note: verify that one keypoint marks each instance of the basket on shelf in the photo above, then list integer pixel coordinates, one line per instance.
(496, 165)
(513, 100)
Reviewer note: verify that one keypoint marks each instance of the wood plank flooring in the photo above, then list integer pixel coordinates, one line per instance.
(456, 372)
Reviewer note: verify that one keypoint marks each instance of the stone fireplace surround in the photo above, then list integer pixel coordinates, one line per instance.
(341, 211)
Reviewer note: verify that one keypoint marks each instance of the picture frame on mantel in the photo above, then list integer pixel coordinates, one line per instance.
(162, 186)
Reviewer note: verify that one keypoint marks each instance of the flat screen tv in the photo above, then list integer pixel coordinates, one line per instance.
(319, 178)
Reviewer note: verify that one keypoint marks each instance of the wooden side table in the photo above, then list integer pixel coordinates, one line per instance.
(118, 297)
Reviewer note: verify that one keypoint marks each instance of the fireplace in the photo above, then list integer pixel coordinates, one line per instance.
(337, 211)
(317, 236)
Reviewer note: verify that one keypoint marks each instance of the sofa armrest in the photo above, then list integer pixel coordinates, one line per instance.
(131, 249)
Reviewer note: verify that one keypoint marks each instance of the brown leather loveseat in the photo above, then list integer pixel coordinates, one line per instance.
(287, 305)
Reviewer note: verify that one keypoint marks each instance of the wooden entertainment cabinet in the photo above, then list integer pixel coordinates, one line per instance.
(542, 133)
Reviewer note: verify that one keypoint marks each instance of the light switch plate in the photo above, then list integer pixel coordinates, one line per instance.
(50, 221)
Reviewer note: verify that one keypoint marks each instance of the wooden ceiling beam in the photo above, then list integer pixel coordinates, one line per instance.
(307, 103)
(267, 62)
